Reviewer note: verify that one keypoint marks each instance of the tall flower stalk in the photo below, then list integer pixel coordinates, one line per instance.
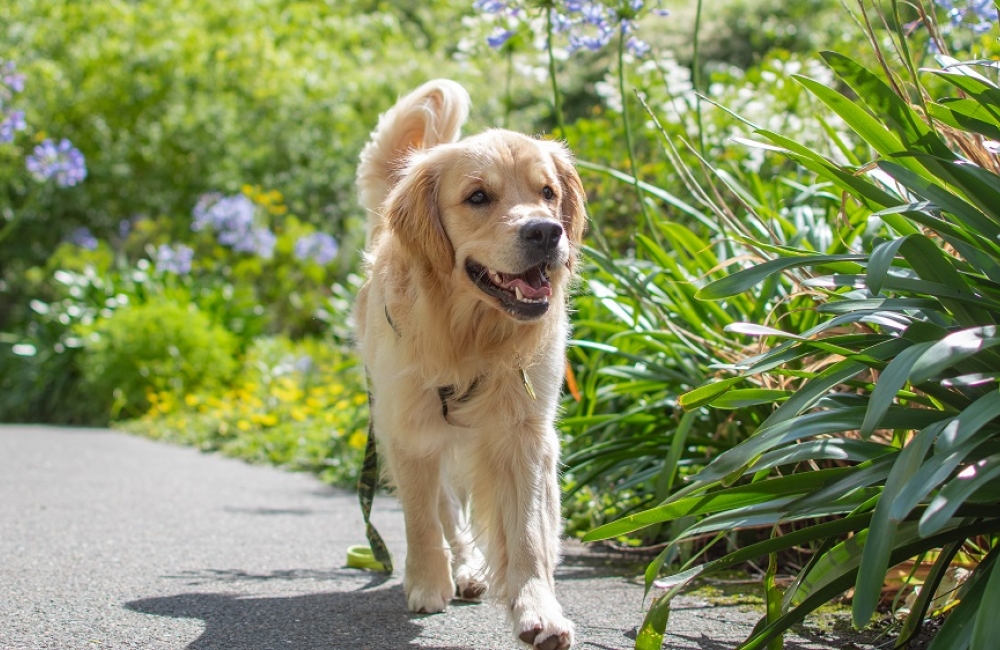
(587, 25)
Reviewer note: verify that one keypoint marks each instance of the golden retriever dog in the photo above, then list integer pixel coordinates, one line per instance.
(462, 326)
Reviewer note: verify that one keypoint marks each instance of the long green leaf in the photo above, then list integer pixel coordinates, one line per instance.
(967, 115)
(742, 398)
(728, 499)
(842, 449)
(745, 279)
(879, 544)
(879, 263)
(956, 632)
(932, 265)
(986, 627)
(705, 394)
(956, 492)
(842, 582)
(896, 111)
(953, 349)
(979, 414)
(967, 215)
(890, 382)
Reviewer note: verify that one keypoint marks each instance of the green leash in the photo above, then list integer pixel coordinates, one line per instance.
(377, 556)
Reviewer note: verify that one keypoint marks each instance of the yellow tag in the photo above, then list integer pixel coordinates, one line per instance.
(527, 384)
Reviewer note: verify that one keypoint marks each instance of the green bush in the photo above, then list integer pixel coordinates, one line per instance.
(882, 430)
(154, 347)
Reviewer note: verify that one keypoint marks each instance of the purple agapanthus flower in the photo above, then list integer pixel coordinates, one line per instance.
(978, 15)
(60, 162)
(11, 123)
(83, 238)
(259, 241)
(319, 247)
(232, 219)
(176, 260)
(10, 79)
(586, 24)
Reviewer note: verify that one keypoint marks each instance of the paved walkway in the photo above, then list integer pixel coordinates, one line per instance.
(113, 541)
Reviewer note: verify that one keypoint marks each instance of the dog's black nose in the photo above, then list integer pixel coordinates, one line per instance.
(542, 235)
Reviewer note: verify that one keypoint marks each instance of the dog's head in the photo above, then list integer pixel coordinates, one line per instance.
(500, 213)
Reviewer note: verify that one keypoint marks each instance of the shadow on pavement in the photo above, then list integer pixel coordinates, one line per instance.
(357, 619)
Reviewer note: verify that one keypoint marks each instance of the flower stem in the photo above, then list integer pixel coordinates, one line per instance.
(556, 97)
(647, 223)
(696, 78)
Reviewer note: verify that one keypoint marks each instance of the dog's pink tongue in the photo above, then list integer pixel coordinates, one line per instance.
(532, 285)
(529, 291)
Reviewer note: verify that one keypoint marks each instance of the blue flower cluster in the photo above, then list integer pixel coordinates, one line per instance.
(977, 15)
(83, 238)
(11, 83)
(586, 24)
(232, 219)
(318, 246)
(58, 161)
(174, 259)
(50, 160)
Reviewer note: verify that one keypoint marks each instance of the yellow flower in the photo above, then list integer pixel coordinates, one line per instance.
(342, 405)
(265, 419)
(360, 399)
(358, 439)
(298, 414)
(191, 399)
(244, 425)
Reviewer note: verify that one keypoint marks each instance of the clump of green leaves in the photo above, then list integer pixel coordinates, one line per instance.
(887, 446)
(154, 347)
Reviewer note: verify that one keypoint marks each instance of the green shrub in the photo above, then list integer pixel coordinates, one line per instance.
(880, 444)
(154, 347)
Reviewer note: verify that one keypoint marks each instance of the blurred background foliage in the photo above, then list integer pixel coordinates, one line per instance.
(197, 284)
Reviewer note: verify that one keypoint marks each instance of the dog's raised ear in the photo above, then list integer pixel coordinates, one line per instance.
(412, 212)
(574, 197)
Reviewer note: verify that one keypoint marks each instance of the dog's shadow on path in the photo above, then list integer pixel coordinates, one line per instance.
(375, 619)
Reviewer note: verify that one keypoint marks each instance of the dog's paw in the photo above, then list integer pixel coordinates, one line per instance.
(469, 584)
(553, 633)
(538, 621)
(428, 583)
(469, 571)
(423, 599)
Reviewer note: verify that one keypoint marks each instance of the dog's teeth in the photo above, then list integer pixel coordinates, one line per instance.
(518, 294)
(496, 278)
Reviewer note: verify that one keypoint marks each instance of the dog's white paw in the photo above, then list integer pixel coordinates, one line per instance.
(470, 574)
(539, 622)
(427, 600)
(428, 583)
(547, 633)
(469, 583)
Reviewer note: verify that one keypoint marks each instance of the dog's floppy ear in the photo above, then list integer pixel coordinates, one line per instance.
(411, 211)
(574, 198)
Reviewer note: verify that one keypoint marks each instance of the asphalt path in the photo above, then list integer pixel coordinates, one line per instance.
(113, 541)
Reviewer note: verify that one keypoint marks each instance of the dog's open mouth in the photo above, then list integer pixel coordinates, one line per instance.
(524, 295)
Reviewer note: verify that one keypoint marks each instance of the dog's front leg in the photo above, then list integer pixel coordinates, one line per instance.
(519, 493)
(427, 579)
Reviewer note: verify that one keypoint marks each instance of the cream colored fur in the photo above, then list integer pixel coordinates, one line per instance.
(479, 490)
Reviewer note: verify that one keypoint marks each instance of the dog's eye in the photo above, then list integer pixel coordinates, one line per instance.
(547, 193)
(478, 198)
